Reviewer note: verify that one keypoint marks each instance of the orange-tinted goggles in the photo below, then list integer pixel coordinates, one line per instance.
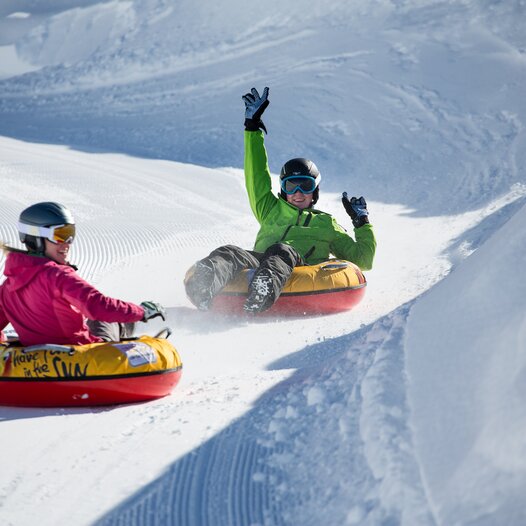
(55, 234)
(62, 234)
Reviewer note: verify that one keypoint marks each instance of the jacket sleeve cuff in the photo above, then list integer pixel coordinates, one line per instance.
(253, 125)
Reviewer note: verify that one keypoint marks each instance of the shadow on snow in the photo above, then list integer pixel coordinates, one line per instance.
(266, 467)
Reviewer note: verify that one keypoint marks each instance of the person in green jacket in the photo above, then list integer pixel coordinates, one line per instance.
(292, 232)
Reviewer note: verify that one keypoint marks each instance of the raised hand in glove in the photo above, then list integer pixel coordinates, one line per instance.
(255, 105)
(152, 310)
(356, 207)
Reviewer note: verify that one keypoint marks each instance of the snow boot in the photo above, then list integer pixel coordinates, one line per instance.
(199, 286)
(261, 294)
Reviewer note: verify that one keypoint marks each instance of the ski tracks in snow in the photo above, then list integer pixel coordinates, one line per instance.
(342, 416)
(102, 189)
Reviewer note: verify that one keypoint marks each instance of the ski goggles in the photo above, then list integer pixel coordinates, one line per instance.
(303, 183)
(55, 233)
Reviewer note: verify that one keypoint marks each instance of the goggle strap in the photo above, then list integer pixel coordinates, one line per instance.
(36, 231)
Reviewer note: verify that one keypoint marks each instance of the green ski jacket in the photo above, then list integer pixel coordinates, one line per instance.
(314, 234)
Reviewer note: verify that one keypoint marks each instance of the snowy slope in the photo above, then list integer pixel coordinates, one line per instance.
(314, 417)
(407, 410)
(386, 96)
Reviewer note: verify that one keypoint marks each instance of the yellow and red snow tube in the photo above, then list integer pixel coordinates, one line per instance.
(329, 287)
(106, 373)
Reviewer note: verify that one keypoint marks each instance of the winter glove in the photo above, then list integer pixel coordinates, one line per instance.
(357, 210)
(254, 108)
(152, 310)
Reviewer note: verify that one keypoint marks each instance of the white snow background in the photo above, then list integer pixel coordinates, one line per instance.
(409, 409)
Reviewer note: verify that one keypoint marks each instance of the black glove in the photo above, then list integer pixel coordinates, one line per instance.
(254, 108)
(152, 310)
(356, 207)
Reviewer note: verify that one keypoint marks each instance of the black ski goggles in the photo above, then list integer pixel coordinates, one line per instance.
(302, 183)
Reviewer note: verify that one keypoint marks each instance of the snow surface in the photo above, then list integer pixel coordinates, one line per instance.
(407, 410)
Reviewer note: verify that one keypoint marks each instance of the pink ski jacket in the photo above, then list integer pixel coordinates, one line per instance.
(47, 303)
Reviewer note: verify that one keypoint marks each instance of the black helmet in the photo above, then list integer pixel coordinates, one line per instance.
(45, 214)
(298, 167)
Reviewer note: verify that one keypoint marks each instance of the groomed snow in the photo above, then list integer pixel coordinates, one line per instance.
(407, 410)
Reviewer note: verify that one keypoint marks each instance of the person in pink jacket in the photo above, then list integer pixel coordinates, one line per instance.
(44, 298)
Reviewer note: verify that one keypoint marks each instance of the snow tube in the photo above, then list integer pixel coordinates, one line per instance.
(329, 287)
(105, 373)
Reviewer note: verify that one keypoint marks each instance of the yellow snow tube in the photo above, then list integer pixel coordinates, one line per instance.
(96, 374)
(332, 286)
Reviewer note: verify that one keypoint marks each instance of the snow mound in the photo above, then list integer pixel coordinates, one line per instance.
(467, 364)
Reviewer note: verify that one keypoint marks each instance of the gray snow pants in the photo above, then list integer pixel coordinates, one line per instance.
(230, 260)
(110, 331)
